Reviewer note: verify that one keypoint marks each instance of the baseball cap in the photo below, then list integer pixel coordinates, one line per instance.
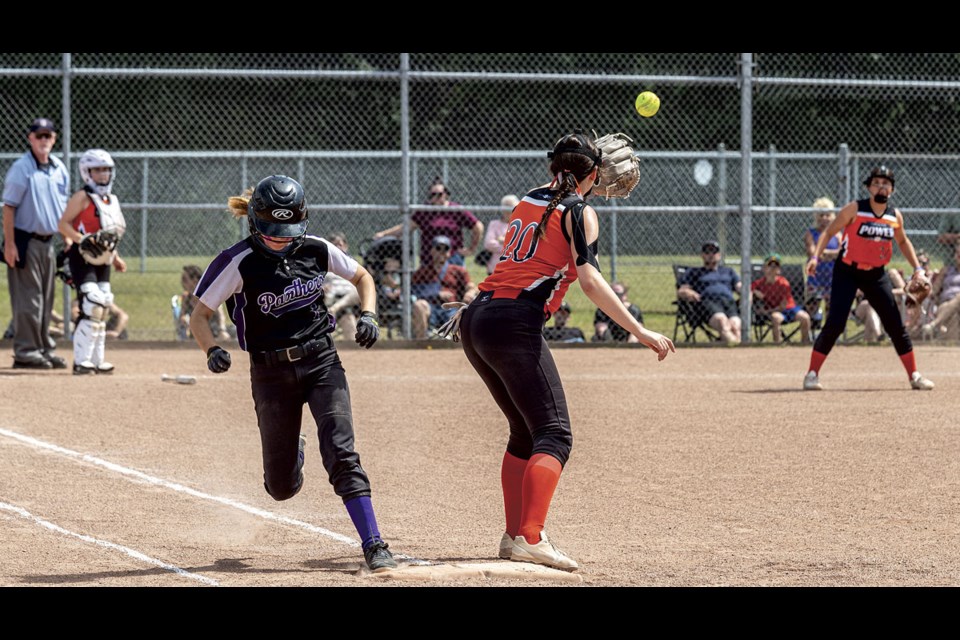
(773, 257)
(442, 240)
(44, 124)
(710, 245)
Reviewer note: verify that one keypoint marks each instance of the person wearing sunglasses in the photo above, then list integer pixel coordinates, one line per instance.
(35, 193)
(451, 221)
(713, 286)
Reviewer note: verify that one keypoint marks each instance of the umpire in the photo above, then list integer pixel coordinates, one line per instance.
(272, 283)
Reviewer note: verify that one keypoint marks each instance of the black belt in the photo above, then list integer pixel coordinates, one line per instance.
(41, 238)
(291, 354)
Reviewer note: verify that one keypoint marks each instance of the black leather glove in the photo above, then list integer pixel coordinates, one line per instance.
(63, 272)
(89, 244)
(368, 329)
(218, 360)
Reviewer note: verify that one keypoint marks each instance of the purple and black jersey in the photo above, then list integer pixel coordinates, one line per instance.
(275, 302)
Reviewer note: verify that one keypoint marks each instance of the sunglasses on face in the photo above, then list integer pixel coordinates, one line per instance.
(43, 136)
(711, 250)
(441, 247)
(437, 194)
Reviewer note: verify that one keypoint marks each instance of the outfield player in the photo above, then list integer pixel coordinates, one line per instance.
(869, 228)
(272, 283)
(551, 241)
(92, 225)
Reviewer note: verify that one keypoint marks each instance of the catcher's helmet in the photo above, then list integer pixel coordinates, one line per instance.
(96, 158)
(278, 208)
(883, 171)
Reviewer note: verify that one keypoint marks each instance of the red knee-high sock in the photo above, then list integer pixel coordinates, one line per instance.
(816, 361)
(539, 482)
(511, 480)
(909, 363)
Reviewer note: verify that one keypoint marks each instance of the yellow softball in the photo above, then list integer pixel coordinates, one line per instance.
(647, 104)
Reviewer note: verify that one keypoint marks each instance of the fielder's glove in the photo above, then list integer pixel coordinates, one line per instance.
(368, 329)
(917, 290)
(451, 328)
(619, 169)
(90, 244)
(218, 360)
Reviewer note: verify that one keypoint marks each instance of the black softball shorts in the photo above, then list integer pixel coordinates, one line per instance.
(279, 393)
(878, 290)
(503, 340)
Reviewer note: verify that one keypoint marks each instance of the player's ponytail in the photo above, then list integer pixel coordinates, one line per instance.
(237, 205)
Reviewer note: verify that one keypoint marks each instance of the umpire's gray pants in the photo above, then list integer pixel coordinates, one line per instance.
(31, 301)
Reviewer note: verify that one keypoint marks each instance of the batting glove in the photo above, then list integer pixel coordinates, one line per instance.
(451, 328)
(218, 360)
(368, 329)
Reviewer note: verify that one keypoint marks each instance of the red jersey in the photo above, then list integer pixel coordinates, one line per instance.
(540, 269)
(774, 292)
(868, 240)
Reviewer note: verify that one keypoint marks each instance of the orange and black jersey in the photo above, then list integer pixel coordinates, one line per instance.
(868, 240)
(541, 269)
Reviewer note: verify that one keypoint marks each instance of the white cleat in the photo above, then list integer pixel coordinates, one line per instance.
(105, 367)
(811, 382)
(541, 553)
(917, 381)
(506, 547)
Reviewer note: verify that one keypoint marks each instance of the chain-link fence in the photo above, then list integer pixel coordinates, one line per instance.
(742, 146)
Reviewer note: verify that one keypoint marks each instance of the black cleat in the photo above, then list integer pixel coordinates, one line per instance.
(378, 557)
(32, 364)
(57, 362)
(80, 370)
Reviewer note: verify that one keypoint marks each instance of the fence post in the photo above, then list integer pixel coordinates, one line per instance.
(721, 233)
(746, 190)
(405, 187)
(144, 194)
(843, 174)
(66, 60)
(771, 199)
(613, 242)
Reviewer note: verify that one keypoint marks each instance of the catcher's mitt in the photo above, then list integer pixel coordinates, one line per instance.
(917, 291)
(620, 169)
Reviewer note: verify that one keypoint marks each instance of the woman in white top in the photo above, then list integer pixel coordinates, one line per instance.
(493, 240)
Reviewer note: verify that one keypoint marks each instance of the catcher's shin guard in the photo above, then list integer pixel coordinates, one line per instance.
(98, 349)
(84, 338)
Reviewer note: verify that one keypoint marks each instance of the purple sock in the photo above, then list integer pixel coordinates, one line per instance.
(361, 512)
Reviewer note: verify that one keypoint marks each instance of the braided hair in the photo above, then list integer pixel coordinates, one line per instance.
(572, 159)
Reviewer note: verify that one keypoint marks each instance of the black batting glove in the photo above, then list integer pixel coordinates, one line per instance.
(218, 360)
(368, 329)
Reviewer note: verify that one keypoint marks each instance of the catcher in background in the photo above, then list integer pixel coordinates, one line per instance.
(92, 225)
(551, 241)
(869, 228)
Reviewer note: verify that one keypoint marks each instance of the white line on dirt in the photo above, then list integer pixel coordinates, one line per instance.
(133, 473)
(23, 513)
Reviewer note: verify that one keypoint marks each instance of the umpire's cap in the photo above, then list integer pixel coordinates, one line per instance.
(883, 171)
(278, 207)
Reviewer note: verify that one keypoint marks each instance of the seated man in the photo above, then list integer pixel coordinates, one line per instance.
(184, 304)
(340, 296)
(774, 299)
(560, 332)
(713, 286)
(435, 283)
(606, 329)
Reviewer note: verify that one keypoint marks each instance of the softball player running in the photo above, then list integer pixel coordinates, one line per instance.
(92, 225)
(551, 241)
(272, 283)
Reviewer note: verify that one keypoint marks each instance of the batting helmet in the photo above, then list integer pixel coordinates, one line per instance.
(883, 171)
(92, 159)
(278, 208)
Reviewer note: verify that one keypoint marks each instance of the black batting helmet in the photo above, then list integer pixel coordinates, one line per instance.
(278, 208)
(883, 171)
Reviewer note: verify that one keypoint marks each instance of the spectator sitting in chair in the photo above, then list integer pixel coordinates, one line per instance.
(184, 304)
(340, 296)
(713, 286)
(560, 332)
(606, 329)
(774, 299)
(435, 283)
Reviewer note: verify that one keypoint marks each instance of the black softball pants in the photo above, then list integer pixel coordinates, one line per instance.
(279, 393)
(878, 290)
(503, 340)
